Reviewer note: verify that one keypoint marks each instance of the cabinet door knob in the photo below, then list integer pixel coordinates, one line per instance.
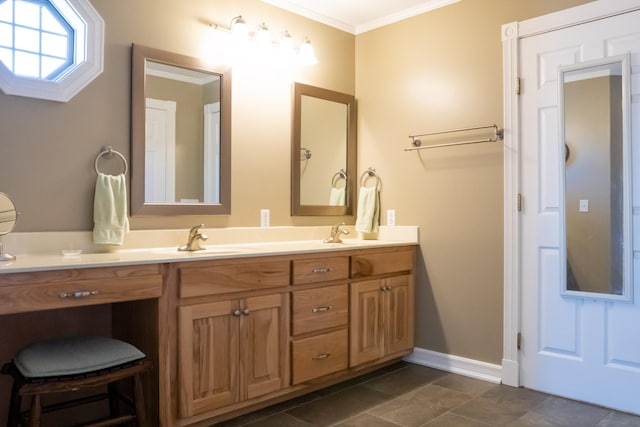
(246, 311)
(237, 312)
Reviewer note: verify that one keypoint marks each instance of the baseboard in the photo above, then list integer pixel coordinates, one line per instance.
(457, 365)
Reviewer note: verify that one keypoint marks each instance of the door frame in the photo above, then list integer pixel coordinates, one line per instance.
(511, 35)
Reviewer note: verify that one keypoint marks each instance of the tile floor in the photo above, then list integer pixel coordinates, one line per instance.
(408, 395)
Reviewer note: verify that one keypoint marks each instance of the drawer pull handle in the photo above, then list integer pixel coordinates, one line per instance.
(321, 309)
(321, 356)
(236, 313)
(78, 294)
(321, 270)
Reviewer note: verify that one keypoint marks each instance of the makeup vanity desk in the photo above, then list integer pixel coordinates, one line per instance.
(230, 329)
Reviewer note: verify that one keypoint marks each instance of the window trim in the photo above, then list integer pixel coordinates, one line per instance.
(77, 77)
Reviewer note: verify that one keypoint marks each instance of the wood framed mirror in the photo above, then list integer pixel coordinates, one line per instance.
(323, 155)
(180, 135)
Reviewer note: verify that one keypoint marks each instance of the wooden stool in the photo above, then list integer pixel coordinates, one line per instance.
(72, 364)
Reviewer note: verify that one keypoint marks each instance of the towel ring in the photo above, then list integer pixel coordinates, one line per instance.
(338, 175)
(108, 153)
(369, 173)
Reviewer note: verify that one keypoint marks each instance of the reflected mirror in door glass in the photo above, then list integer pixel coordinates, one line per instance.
(596, 179)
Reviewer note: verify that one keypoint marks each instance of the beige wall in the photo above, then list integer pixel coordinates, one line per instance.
(435, 71)
(443, 70)
(47, 149)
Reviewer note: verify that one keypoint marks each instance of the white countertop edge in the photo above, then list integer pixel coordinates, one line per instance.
(388, 237)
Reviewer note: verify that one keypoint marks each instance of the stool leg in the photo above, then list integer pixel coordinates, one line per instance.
(15, 406)
(139, 401)
(113, 400)
(36, 411)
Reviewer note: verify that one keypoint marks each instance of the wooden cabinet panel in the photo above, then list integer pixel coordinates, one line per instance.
(231, 351)
(393, 260)
(321, 308)
(209, 355)
(320, 355)
(315, 270)
(399, 322)
(381, 318)
(366, 321)
(221, 278)
(264, 344)
(22, 292)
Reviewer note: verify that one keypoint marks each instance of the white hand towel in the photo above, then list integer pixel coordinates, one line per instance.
(110, 221)
(337, 196)
(368, 210)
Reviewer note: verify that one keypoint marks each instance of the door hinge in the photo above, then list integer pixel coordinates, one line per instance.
(518, 86)
(519, 340)
(519, 203)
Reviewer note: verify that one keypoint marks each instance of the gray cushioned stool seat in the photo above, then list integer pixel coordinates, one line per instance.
(72, 356)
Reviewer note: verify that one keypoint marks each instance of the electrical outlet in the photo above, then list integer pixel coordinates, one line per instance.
(391, 217)
(584, 206)
(264, 217)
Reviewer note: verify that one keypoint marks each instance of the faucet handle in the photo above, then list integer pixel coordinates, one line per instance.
(335, 227)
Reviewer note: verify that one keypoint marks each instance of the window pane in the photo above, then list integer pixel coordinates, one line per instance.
(28, 40)
(6, 11)
(6, 35)
(27, 14)
(49, 65)
(54, 45)
(27, 64)
(51, 24)
(6, 58)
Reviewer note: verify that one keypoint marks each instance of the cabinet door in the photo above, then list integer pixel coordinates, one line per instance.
(366, 342)
(398, 310)
(265, 330)
(208, 343)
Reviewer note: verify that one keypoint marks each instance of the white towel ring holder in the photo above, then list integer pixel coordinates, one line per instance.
(108, 153)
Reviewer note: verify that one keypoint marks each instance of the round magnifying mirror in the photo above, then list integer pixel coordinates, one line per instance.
(8, 218)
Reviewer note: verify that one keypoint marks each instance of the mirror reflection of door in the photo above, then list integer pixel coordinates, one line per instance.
(160, 147)
(594, 182)
(190, 172)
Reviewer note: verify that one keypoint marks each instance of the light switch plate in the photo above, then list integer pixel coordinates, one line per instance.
(584, 206)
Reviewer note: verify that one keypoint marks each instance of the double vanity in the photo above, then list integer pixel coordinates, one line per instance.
(239, 326)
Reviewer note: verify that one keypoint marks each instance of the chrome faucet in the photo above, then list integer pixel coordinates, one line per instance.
(336, 231)
(193, 242)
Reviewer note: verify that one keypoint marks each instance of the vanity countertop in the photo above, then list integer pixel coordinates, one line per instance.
(53, 261)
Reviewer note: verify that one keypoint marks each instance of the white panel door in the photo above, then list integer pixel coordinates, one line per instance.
(583, 349)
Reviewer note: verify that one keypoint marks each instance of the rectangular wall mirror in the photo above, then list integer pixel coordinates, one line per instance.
(597, 178)
(180, 135)
(323, 152)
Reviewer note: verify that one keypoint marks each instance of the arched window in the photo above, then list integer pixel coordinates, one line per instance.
(49, 49)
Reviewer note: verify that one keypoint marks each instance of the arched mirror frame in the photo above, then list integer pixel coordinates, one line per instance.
(298, 209)
(139, 56)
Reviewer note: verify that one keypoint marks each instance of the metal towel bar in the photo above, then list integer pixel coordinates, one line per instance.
(498, 135)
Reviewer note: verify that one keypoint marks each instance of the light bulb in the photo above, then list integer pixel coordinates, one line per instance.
(307, 56)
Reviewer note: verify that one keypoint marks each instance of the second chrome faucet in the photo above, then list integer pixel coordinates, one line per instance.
(194, 239)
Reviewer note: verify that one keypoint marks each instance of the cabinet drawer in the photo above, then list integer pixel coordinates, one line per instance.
(22, 292)
(320, 269)
(321, 308)
(195, 281)
(317, 356)
(389, 261)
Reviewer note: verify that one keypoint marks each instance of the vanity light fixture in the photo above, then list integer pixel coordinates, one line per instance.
(264, 46)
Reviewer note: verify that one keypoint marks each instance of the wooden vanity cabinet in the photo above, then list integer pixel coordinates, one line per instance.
(381, 308)
(232, 338)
